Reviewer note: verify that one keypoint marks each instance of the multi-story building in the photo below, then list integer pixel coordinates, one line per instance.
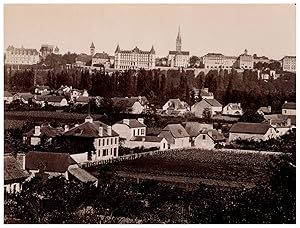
(218, 60)
(100, 59)
(289, 63)
(21, 56)
(134, 59)
(178, 58)
(245, 61)
(47, 49)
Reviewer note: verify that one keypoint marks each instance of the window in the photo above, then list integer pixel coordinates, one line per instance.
(133, 132)
(116, 140)
(111, 141)
(115, 152)
(142, 131)
(99, 142)
(107, 142)
(99, 153)
(138, 131)
(103, 142)
(204, 137)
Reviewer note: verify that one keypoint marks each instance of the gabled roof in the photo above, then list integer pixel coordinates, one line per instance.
(213, 102)
(250, 128)
(48, 161)
(7, 94)
(133, 123)
(121, 102)
(46, 131)
(82, 99)
(13, 169)
(89, 130)
(101, 56)
(24, 96)
(176, 130)
(289, 105)
(147, 138)
(194, 128)
(264, 109)
(214, 134)
(81, 174)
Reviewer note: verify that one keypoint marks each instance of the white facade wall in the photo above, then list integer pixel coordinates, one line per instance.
(181, 143)
(107, 147)
(203, 141)
(162, 145)
(271, 133)
(290, 112)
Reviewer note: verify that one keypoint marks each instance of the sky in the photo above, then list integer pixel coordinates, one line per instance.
(262, 29)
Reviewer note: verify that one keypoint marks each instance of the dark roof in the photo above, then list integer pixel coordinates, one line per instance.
(194, 128)
(49, 161)
(176, 130)
(82, 175)
(89, 130)
(215, 135)
(7, 94)
(133, 123)
(25, 96)
(213, 102)
(120, 102)
(147, 138)
(92, 45)
(42, 87)
(179, 53)
(279, 118)
(134, 50)
(47, 131)
(13, 169)
(213, 54)
(289, 105)
(250, 128)
(101, 56)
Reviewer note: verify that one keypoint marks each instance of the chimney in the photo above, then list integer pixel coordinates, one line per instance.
(285, 102)
(89, 119)
(66, 128)
(21, 160)
(141, 120)
(109, 130)
(288, 122)
(269, 108)
(101, 131)
(37, 131)
(126, 121)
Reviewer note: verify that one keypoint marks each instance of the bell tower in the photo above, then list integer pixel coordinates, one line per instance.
(178, 41)
(92, 49)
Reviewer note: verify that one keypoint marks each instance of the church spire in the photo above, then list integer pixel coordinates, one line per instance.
(178, 40)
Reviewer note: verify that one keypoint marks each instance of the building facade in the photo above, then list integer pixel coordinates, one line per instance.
(46, 50)
(245, 61)
(21, 56)
(289, 63)
(134, 59)
(178, 58)
(218, 60)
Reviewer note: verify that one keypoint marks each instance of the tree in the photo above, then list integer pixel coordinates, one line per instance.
(252, 116)
(194, 61)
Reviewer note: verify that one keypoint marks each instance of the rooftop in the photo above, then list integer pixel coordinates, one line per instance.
(133, 123)
(176, 130)
(13, 169)
(250, 128)
(289, 105)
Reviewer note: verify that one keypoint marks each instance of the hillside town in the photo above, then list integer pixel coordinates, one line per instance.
(136, 122)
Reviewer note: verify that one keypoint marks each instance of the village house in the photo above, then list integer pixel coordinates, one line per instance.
(175, 107)
(204, 94)
(127, 105)
(129, 128)
(14, 173)
(82, 100)
(41, 134)
(57, 101)
(289, 108)
(204, 136)
(176, 136)
(100, 59)
(264, 110)
(51, 164)
(281, 123)
(93, 134)
(212, 105)
(148, 142)
(251, 131)
(8, 97)
(233, 109)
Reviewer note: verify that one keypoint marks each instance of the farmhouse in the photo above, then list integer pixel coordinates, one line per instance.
(176, 136)
(212, 105)
(94, 137)
(14, 173)
(289, 108)
(233, 109)
(251, 131)
(129, 128)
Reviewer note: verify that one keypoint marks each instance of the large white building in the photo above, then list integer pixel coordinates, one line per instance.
(218, 60)
(245, 61)
(134, 59)
(289, 63)
(178, 58)
(21, 56)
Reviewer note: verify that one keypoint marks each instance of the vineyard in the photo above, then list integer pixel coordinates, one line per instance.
(211, 165)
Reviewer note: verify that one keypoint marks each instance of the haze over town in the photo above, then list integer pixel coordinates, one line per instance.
(226, 29)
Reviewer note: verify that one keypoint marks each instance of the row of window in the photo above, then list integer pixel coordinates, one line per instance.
(138, 132)
(108, 141)
(107, 152)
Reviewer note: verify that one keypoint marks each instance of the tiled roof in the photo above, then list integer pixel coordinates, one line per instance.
(49, 161)
(213, 102)
(250, 128)
(194, 128)
(176, 130)
(89, 130)
(133, 123)
(147, 138)
(47, 131)
(289, 105)
(81, 174)
(13, 169)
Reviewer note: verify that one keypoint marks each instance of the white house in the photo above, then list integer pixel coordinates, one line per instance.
(129, 128)
(176, 104)
(103, 137)
(212, 105)
(289, 109)
(14, 173)
(264, 110)
(233, 109)
(148, 142)
(251, 131)
(176, 136)
(57, 101)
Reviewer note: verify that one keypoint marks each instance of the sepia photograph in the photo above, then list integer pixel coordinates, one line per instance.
(149, 113)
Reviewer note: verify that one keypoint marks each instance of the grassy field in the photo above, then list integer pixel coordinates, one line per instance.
(211, 166)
